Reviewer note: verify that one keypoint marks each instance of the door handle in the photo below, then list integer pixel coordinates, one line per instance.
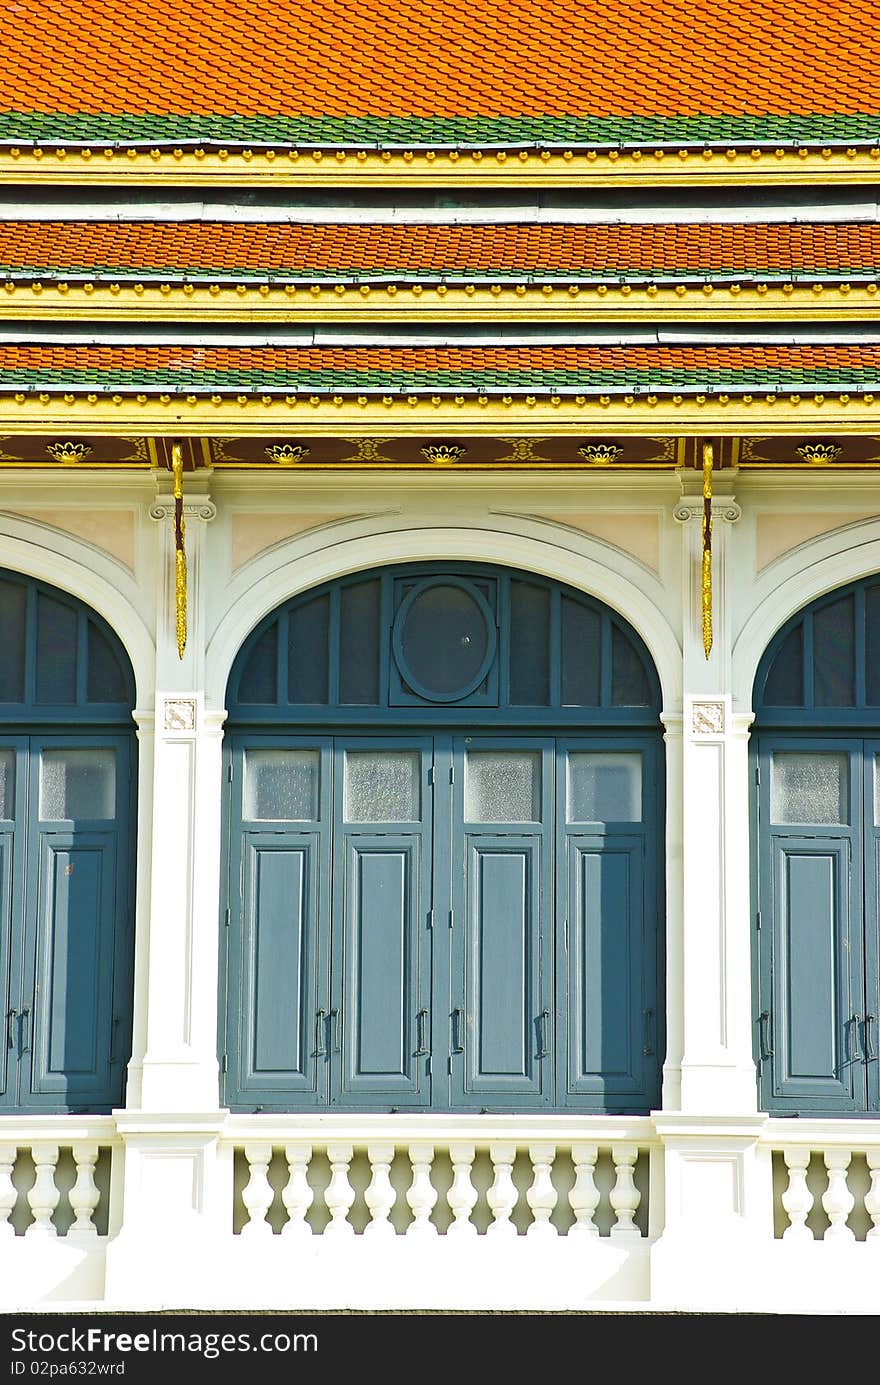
(457, 1046)
(25, 1030)
(648, 1045)
(870, 1050)
(854, 1044)
(333, 1017)
(422, 1050)
(320, 1034)
(542, 1019)
(764, 1031)
(11, 1016)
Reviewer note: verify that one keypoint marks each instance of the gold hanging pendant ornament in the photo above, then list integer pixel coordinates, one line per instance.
(179, 547)
(706, 583)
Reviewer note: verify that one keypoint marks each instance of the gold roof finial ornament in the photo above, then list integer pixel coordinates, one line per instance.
(287, 453)
(706, 573)
(819, 453)
(600, 453)
(179, 548)
(68, 453)
(443, 454)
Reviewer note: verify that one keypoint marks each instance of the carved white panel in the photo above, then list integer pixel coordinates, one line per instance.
(180, 714)
(708, 719)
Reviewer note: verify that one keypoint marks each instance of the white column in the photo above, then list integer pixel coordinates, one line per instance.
(177, 1176)
(180, 1070)
(717, 1066)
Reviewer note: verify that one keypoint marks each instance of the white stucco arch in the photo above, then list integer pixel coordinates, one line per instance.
(789, 585)
(99, 582)
(274, 578)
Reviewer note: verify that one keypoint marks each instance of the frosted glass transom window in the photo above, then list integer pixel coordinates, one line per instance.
(7, 783)
(809, 786)
(503, 786)
(604, 786)
(382, 786)
(282, 785)
(78, 784)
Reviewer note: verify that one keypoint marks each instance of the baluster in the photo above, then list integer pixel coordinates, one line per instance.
(8, 1191)
(584, 1195)
(542, 1196)
(258, 1195)
(502, 1196)
(872, 1197)
(84, 1196)
(297, 1193)
(462, 1195)
(625, 1196)
(44, 1196)
(380, 1196)
(421, 1194)
(797, 1198)
(837, 1199)
(339, 1194)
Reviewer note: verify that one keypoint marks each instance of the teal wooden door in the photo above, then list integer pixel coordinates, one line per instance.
(67, 779)
(816, 835)
(607, 812)
(436, 899)
(501, 1002)
(277, 961)
(380, 995)
(811, 1029)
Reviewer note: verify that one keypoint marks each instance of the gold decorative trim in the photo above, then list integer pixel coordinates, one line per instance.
(287, 453)
(443, 454)
(819, 453)
(806, 301)
(363, 421)
(68, 453)
(179, 549)
(600, 453)
(706, 568)
(425, 168)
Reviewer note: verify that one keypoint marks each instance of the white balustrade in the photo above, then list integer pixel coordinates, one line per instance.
(84, 1195)
(872, 1198)
(421, 1194)
(506, 1209)
(837, 1199)
(339, 1194)
(297, 1193)
(257, 1195)
(44, 1196)
(584, 1195)
(380, 1196)
(797, 1198)
(8, 1192)
(462, 1195)
(502, 1197)
(625, 1196)
(542, 1197)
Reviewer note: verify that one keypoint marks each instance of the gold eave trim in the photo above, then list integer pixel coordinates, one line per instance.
(219, 416)
(452, 168)
(429, 303)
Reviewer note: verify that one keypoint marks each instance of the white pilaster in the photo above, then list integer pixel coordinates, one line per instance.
(179, 1070)
(717, 1068)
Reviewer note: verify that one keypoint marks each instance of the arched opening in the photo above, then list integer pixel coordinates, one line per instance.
(816, 828)
(67, 784)
(444, 838)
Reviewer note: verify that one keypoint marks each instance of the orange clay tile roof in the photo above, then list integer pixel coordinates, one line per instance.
(102, 249)
(362, 71)
(440, 369)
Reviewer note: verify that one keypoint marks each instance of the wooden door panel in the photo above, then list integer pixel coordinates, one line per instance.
(278, 963)
(816, 1059)
(72, 1016)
